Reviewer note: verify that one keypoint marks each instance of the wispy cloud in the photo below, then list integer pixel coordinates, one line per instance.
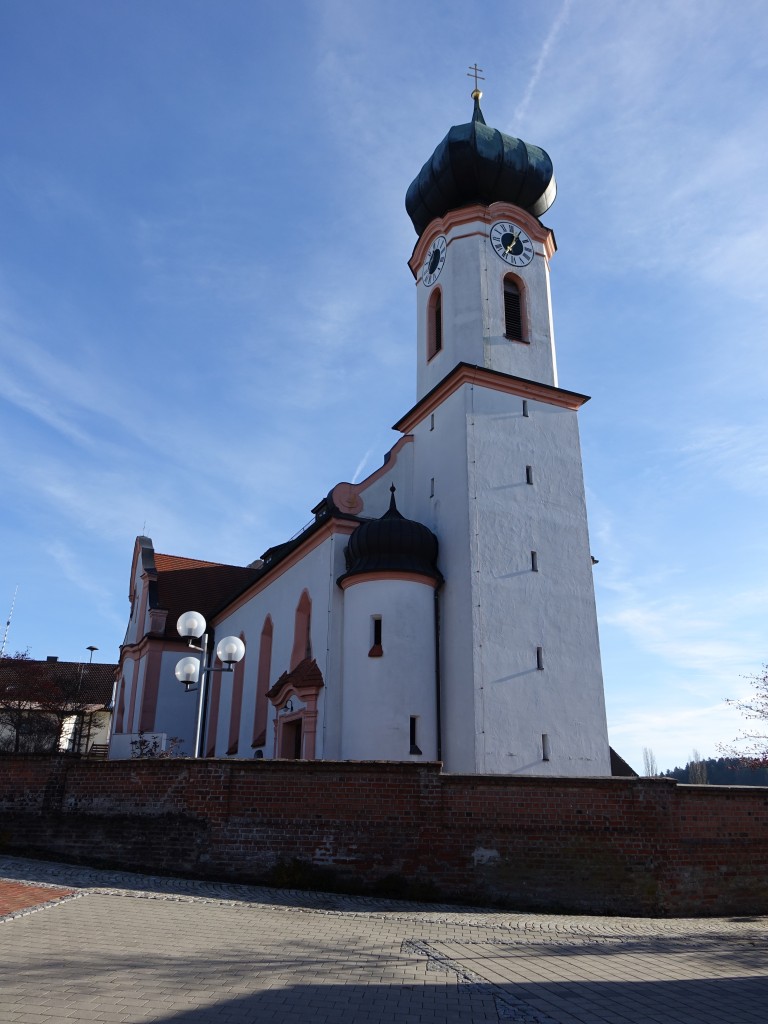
(736, 452)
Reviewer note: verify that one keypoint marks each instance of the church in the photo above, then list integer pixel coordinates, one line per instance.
(443, 608)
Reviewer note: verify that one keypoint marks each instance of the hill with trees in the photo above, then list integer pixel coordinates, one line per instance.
(720, 771)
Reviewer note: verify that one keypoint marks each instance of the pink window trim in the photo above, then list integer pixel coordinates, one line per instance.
(151, 689)
(302, 631)
(304, 685)
(134, 688)
(434, 314)
(261, 711)
(120, 706)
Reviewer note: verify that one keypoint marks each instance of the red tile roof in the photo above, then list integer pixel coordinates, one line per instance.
(190, 584)
(84, 683)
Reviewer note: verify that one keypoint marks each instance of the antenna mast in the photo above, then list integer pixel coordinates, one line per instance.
(8, 623)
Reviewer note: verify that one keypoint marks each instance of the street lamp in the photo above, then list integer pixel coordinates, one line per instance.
(230, 650)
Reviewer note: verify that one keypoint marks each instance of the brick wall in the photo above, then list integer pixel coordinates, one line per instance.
(630, 846)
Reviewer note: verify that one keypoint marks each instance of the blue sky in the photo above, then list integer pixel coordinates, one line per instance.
(207, 320)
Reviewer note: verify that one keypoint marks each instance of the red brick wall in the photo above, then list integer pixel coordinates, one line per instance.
(632, 846)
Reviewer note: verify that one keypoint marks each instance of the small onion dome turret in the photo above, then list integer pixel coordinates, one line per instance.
(392, 544)
(478, 164)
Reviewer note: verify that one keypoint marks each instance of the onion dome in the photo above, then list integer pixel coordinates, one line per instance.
(478, 164)
(392, 544)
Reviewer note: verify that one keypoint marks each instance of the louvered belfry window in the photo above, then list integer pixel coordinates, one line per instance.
(513, 313)
(435, 324)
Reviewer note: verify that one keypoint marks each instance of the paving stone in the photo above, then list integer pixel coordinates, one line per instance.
(138, 948)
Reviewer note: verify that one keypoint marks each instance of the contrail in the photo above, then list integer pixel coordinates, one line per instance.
(549, 42)
(361, 465)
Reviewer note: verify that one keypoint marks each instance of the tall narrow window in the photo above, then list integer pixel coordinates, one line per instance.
(534, 561)
(302, 641)
(544, 747)
(435, 324)
(529, 474)
(540, 658)
(260, 713)
(513, 311)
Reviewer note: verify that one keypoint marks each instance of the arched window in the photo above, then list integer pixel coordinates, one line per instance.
(262, 685)
(434, 324)
(513, 310)
(302, 640)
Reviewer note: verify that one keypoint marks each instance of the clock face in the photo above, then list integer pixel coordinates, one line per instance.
(434, 261)
(511, 243)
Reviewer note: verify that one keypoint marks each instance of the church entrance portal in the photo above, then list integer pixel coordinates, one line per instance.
(290, 740)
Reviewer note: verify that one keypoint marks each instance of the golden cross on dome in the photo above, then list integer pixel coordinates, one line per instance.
(474, 72)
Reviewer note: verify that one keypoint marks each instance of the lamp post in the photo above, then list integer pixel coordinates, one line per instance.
(230, 650)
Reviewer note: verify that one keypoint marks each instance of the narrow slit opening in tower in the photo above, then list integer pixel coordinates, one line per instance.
(415, 749)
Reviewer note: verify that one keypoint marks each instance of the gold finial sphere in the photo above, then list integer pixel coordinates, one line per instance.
(477, 94)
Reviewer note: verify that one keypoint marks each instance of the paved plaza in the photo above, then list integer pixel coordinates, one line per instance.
(77, 944)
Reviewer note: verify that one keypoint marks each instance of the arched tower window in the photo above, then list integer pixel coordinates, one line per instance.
(262, 684)
(302, 640)
(434, 324)
(513, 310)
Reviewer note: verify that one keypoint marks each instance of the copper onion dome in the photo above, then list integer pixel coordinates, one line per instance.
(478, 164)
(392, 544)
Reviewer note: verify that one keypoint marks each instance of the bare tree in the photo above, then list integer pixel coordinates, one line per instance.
(697, 769)
(649, 762)
(64, 696)
(36, 699)
(751, 748)
(22, 728)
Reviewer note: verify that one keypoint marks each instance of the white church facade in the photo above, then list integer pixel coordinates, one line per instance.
(443, 608)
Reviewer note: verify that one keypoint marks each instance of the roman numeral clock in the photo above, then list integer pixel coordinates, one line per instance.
(511, 243)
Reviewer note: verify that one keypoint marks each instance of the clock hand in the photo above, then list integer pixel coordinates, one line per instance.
(513, 243)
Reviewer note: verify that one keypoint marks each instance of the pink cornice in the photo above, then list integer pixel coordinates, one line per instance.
(494, 381)
(157, 619)
(486, 214)
(389, 574)
(346, 496)
(315, 539)
(133, 652)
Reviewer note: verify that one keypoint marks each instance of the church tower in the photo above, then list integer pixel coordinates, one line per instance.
(497, 469)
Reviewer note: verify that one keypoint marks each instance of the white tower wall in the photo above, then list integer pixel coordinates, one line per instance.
(472, 290)
(496, 610)
(381, 694)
